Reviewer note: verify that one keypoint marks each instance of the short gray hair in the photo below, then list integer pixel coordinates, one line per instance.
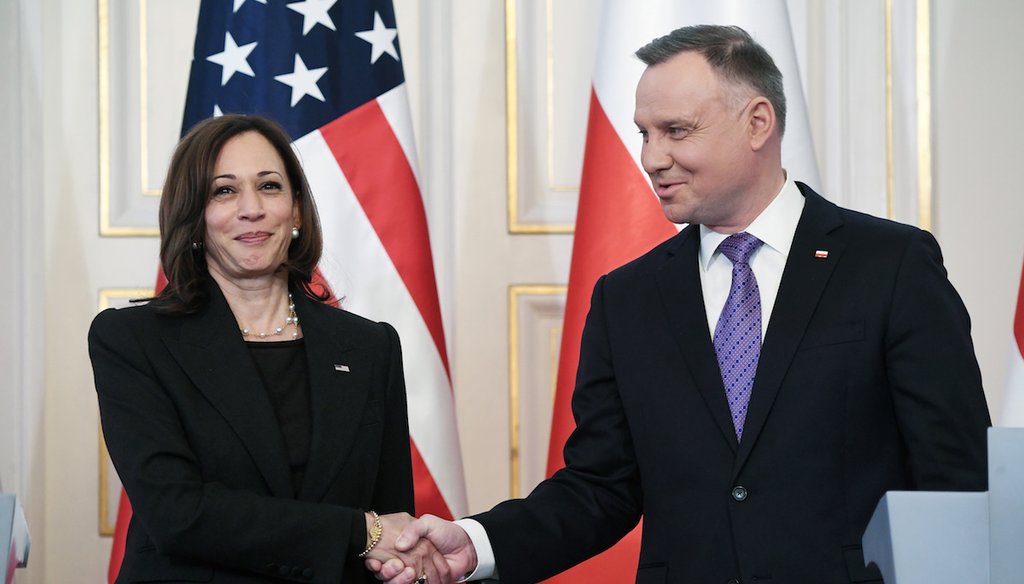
(731, 52)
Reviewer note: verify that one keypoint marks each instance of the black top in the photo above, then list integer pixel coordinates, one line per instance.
(282, 367)
(195, 440)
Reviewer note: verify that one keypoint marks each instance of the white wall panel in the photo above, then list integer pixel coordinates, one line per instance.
(979, 198)
(21, 254)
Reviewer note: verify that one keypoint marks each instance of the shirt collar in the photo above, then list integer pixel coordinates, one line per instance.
(775, 226)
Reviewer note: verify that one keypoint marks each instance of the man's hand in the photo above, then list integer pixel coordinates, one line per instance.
(418, 558)
(450, 540)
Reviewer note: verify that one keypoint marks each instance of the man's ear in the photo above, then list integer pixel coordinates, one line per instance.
(761, 121)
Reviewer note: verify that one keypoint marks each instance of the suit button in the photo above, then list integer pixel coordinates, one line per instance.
(739, 493)
(296, 572)
(283, 570)
(307, 573)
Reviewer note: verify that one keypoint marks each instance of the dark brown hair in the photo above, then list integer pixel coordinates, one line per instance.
(731, 52)
(188, 189)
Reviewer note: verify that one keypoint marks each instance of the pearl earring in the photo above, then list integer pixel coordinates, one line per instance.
(295, 232)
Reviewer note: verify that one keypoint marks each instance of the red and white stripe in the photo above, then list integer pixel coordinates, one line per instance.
(1013, 399)
(377, 260)
(618, 217)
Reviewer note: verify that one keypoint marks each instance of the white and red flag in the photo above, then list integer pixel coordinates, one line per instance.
(331, 73)
(619, 218)
(1013, 400)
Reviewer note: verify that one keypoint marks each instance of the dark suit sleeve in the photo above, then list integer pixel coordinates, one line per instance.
(935, 380)
(394, 485)
(592, 502)
(190, 521)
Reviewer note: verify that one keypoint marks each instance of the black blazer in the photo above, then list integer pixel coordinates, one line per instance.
(192, 433)
(867, 382)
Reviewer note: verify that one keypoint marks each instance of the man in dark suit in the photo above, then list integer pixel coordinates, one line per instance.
(755, 384)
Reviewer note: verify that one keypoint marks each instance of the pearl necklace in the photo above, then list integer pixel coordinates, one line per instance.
(290, 320)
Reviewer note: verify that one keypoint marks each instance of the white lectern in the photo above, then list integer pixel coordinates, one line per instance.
(919, 537)
(14, 539)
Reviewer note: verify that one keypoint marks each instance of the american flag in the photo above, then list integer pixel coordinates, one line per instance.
(331, 73)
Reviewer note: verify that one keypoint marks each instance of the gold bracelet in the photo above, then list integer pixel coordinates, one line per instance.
(376, 531)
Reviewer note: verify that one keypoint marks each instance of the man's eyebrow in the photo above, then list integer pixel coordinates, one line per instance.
(665, 123)
(675, 121)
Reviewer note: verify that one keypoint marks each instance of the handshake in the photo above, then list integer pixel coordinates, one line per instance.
(428, 550)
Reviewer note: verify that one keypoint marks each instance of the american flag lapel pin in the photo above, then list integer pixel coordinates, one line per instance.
(821, 254)
(341, 368)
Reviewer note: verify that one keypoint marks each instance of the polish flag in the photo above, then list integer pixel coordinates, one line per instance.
(619, 217)
(1013, 402)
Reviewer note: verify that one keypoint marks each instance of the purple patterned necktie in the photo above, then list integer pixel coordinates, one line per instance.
(738, 332)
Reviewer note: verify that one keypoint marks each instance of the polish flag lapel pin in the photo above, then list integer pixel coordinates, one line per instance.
(821, 254)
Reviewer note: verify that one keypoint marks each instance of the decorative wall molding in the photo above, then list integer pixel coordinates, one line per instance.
(109, 484)
(139, 112)
(869, 96)
(535, 313)
(548, 81)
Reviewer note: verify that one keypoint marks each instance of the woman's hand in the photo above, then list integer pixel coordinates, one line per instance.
(423, 558)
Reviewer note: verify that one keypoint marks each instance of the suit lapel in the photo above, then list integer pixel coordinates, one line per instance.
(681, 295)
(340, 375)
(803, 281)
(212, 353)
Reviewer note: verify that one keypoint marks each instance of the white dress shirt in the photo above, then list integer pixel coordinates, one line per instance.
(775, 226)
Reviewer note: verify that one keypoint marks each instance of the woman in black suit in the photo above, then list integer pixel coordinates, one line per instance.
(258, 431)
